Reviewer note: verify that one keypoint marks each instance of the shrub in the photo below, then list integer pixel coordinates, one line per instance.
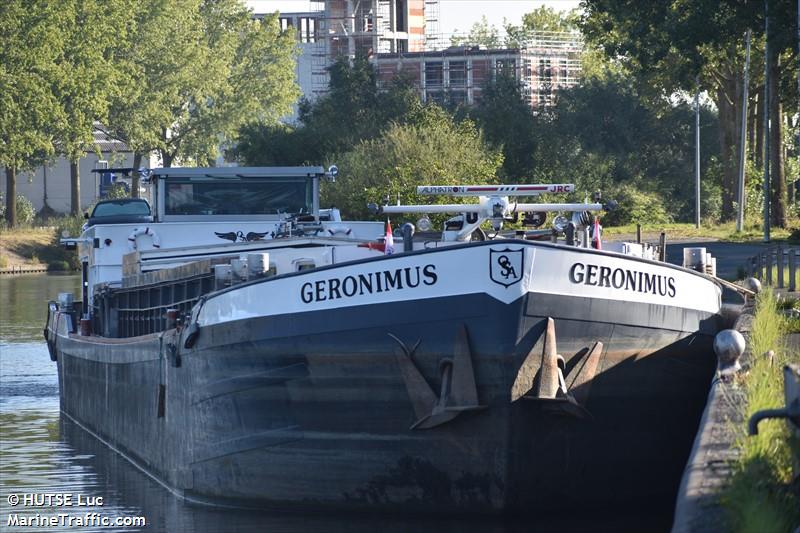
(58, 266)
(636, 206)
(25, 210)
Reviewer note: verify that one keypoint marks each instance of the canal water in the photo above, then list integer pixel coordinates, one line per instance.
(42, 452)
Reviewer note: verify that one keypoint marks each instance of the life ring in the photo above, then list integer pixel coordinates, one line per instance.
(339, 228)
(143, 231)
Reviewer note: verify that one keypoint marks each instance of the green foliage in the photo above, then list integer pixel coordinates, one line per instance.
(432, 148)
(508, 123)
(69, 225)
(480, 34)
(26, 213)
(204, 69)
(25, 210)
(636, 206)
(31, 41)
(541, 19)
(759, 497)
(355, 109)
(604, 133)
(117, 191)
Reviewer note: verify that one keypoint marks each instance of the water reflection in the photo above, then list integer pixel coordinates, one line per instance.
(42, 451)
(23, 303)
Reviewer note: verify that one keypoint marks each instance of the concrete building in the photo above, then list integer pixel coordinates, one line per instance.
(402, 36)
(50, 185)
(459, 74)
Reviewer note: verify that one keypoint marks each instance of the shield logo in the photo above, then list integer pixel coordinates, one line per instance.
(505, 266)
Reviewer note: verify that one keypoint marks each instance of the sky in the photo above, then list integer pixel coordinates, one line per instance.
(455, 16)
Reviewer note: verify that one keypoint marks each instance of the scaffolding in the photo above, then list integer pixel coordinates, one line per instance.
(457, 74)
(403, 36)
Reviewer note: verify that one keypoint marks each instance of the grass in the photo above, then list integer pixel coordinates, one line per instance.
(35, 246)
(676, 231)
(760, 498)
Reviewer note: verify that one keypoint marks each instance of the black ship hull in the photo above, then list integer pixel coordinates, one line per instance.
(314, 411)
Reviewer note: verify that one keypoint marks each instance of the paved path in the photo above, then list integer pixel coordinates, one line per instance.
(730, 255)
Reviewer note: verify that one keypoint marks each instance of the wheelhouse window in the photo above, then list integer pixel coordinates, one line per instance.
(239, 196)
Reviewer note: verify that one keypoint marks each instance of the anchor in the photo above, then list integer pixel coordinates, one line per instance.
(458, 392)
(561, 394)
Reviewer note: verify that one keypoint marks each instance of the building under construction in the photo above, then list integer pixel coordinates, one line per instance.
(402, 37)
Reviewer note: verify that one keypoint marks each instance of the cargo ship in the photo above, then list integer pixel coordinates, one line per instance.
(248, 348)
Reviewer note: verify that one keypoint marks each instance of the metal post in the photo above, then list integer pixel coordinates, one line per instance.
(792, 270)
(662, 247)
(779, 263)
(766, 121)
(697, 155)
(768, 273)
(745, 90)
(638, 233)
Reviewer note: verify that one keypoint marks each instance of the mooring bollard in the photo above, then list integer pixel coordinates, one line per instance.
(729, 346)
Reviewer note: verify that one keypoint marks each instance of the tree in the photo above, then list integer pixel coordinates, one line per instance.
(481, 34)
(604, 134)
(88, 76)
(542, 19)
(205, 69)
(354, 109)
(672, 46)
(431, 148)
(507, 121)
(31, 38)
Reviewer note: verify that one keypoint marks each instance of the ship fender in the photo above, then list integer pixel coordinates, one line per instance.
(50, 340)
(143, 231)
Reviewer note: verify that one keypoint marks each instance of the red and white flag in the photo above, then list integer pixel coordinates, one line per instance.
(389, 240)
(596, 244)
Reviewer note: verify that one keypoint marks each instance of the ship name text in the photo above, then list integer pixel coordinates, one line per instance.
(622, 278)
(370, 283)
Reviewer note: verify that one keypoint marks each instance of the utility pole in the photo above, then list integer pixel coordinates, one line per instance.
(697, 154)
(745, 90)
(766, 121)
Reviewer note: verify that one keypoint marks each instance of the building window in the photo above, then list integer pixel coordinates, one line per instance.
(308, 30)
(506, 67)
(458, 73)
(401, 17)
(402, 45)
(286, 23)
(434, 75)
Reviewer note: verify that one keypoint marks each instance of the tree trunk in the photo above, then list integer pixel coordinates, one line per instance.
(166, 159)
(727, 145)
(778, 177)
(46, 206)
(135, 178)
(751, 126)
(11, 197)
(75, 187)
(759, 146)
